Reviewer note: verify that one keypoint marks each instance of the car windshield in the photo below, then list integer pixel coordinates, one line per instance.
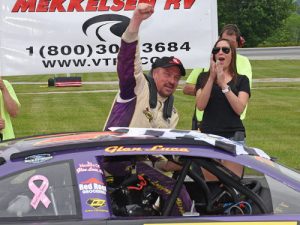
(285, 200)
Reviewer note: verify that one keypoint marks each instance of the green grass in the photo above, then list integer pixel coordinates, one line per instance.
(272, 123)
(275, 68)
(52, 113)
(85, 77)
(38, 88)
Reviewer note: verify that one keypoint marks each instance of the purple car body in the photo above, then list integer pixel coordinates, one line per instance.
(66, 178)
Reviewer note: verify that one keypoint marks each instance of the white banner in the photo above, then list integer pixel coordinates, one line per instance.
(74, 36)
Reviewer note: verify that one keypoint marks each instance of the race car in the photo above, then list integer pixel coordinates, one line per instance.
(143, 176)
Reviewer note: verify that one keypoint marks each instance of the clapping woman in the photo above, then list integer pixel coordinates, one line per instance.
(223, 94)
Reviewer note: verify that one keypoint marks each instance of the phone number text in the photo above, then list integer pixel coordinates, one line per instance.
(88, 50)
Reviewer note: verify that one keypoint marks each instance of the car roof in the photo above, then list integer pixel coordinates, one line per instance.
(211, 146)
(19, 148)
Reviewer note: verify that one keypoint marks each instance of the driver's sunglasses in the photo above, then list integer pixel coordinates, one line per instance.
(215, 50)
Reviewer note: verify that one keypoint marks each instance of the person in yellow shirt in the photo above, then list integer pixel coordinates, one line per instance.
(233, 34)
(10, 106)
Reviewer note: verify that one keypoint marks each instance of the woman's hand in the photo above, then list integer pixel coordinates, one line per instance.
(220, 75)
(213, 68)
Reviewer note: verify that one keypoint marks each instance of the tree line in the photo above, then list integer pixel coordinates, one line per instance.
(263, 22)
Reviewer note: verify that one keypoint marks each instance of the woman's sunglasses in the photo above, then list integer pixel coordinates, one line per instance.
(215, 50)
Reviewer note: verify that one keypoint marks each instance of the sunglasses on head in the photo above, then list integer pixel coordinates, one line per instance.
(215, 50)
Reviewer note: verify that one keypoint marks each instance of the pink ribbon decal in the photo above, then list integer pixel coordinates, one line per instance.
(39, 192)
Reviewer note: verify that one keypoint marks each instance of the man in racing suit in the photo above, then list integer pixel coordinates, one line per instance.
(144, 100)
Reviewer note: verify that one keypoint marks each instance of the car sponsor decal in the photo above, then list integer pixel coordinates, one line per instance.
(227, 145)
(92, 186)
(155, 148)
(89, 167)
(232, 223)
(39, 158)
(39, 192)
(96, 204)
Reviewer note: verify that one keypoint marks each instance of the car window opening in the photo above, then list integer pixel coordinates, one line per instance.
(138, 188)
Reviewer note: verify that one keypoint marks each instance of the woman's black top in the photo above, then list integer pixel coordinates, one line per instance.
(219, 118)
